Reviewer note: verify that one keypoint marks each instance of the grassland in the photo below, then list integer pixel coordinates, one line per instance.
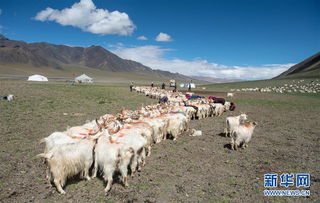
(255, 83)
(192, 169)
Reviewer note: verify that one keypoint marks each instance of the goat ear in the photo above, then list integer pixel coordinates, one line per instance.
(255, 123)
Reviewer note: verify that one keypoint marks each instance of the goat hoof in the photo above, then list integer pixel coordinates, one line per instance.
(106, 192)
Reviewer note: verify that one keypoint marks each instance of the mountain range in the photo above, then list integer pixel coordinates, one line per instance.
(22, 59)
(309, 68)
(60, 57)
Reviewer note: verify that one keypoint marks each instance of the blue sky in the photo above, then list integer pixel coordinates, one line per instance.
(242, 39)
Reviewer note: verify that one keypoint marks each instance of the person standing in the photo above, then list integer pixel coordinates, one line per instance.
(131, 86)
(163, 86)
(232, 107)
(152, 84)
(189, 88)
(175, 87)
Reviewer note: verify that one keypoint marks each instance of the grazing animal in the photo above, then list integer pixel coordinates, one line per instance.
(109, 157)
(242, 135)
(218, 109)
(68, 160)
(232, 122)
(10, 97)
(227, 106)
(195, 132)
(229, 94)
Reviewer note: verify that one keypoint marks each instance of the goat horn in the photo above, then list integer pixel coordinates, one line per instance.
(100, 125)
(114, 131)
(94, 133)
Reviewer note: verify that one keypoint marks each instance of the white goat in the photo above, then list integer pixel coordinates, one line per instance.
(242, 135)
(218, 109)
(232, 122)
(227, 106)
(195, 132)
(229, 94)
(69, 160)
(72, 135)
(135, 139)
(109, 157)
(178, 122)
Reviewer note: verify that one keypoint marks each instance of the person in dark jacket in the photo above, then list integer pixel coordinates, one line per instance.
(175, 87)
(189, 87)
(131, 86)
(232, 106)
(163, 86)
(163, 99)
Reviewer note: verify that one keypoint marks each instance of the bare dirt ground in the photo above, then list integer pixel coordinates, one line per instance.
(191, 169)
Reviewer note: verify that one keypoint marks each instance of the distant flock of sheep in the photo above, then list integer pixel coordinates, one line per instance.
(300, 86)
(122, 142)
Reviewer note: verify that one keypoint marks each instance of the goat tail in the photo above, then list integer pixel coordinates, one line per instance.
(43, 140)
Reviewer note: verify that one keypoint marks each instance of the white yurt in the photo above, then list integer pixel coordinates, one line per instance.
(83, 79)
(40, 78)
(186, 85)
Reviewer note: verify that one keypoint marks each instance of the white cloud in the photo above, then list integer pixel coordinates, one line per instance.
(153, 56)
(86, 16)
(163, 37)
(142, 38)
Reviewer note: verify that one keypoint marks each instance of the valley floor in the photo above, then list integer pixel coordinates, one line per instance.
(191, 169)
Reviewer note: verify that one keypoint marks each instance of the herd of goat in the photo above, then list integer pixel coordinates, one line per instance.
(122, 142)
(299, 86)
